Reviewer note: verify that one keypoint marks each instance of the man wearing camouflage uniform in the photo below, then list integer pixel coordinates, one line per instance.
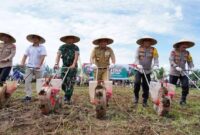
(100, 58)
(143, 60)
(69, 53)
(7, 52)
(178, 59)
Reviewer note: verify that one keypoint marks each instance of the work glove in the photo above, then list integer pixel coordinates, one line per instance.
(94, 66)
(140, 67)
(191, 68)
(56, 66)
(179, 69)
(155, 67)
(111, 65)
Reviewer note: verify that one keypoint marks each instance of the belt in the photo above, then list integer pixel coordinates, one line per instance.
(31, 67)
(101, 68)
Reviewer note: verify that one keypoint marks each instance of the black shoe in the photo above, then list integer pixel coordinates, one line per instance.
(182, 102)
(135, 101)
(26, 99)
(67, 100)
(107, 104)
(144, 104)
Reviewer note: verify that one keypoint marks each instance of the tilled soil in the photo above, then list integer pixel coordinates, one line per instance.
(122, 117)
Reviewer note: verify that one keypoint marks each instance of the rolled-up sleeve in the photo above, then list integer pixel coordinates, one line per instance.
(77, 50)
(27, 52)
(43, 51)
(13, 52)
(190, 61)
(172, 59)
(92, 56)
(112, 55)
(155, 57)
(137, 57)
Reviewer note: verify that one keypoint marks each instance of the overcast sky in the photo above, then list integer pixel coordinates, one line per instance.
(123, 20)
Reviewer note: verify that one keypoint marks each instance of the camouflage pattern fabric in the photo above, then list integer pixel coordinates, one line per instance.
(69, 81)
(68, 54)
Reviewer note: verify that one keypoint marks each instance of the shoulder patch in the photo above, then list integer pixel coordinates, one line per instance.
(11, 46)
(155, 52)
(173, 52)
(14, 46)
(187, 52)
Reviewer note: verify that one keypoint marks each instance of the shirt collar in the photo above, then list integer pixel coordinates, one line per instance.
(35, 45)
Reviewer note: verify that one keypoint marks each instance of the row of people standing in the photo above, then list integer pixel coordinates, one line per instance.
(146, 59)
(68, 52)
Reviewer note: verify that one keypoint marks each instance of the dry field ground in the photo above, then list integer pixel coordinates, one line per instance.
(79, 118)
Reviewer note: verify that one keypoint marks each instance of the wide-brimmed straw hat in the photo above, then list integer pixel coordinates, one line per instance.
(66, 38)
(31, 36)
(184, 41)
(12, 39)
(146, 38)
(97, 41)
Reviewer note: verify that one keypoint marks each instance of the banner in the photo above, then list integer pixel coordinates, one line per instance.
(119, 72)
(88, 70)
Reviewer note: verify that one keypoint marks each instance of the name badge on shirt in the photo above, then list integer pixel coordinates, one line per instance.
(107, 53)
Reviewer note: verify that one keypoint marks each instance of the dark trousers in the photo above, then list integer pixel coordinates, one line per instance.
(4, 72)
(184, 83)
(140, 78)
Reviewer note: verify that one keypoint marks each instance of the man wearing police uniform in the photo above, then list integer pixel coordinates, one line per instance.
(178, 59)
(69, 52)
(7, 52)
(143, 60)
(100, 58)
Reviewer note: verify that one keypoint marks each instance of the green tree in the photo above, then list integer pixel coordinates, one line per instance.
(48, 71)
(192, 75)
(160, 73)
(196, 77)
(19, 68)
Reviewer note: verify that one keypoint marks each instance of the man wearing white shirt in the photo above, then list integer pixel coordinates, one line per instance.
(36, 54)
